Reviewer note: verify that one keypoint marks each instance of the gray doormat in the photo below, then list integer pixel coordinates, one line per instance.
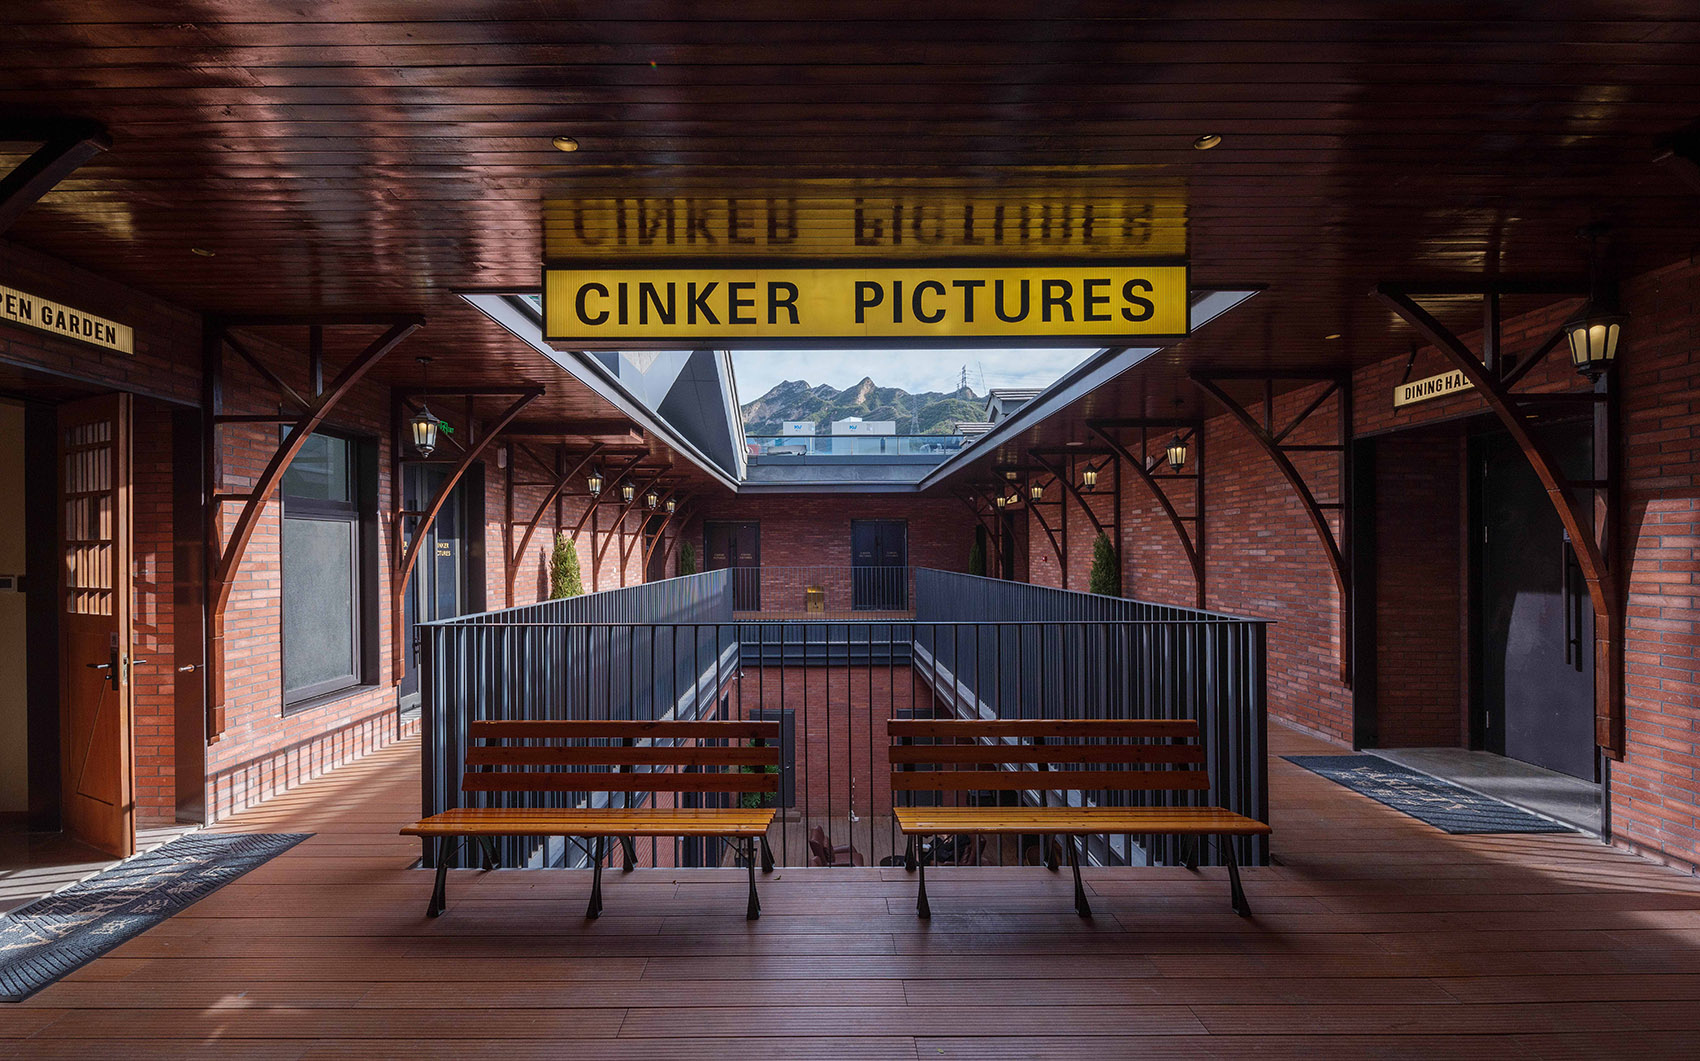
(60, 933)
(1439, 803)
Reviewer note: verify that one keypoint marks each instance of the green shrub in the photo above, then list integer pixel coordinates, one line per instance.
(977, 554)
(687, 558)
(1106, 571)
(565, 580)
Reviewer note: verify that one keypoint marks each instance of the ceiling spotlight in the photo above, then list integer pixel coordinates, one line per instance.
(1206, 142)
(565, 143)
(202, 252)
(1332, 335)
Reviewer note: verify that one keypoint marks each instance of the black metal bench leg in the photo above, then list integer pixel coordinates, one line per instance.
(1241, 907)
(754, 910)
(1051, 862)
(1081, 906)
(594, 910)
(1189, 850)
(766, 855)
(629, 850)
(909, 854)
(488, 846)
(922, 910)
(439, 891)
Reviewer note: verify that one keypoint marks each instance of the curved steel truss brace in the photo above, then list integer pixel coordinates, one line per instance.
(1191, 538)
(225, 561)
(409, 556)
(1274, 446)
(1592, 533)
(517, 556)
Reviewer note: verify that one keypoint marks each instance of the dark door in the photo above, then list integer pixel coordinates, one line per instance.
(654, 549)
(439, 586)
(879, 565)
(94, 623)
(737, 546)
(1536, 626)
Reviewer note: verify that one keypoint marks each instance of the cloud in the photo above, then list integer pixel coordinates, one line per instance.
(912, 370)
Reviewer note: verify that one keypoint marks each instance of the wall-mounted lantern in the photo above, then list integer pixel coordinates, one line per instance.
(1594, 331)
(1036, 492)
(672, 506)
(1003, 500)
(650, 501)
(627, 492)
(593, 482)
(1089, 479)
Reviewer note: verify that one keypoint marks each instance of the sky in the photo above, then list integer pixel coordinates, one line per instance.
(912, 370)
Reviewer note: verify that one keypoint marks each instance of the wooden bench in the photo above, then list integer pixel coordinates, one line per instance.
(621, 757)
(1047, 756)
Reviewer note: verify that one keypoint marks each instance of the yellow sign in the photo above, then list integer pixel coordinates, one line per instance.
(1031, 303)
(1111, 214)
(57, 318)
(1421, 390)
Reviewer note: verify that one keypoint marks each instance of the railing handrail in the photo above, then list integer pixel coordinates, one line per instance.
(1098, 597)
(606, 594)
(847, 619)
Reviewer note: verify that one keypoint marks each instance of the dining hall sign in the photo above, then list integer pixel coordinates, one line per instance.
(56, 318)
(778, 304)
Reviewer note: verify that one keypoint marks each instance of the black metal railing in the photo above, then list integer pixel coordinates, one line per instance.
(977, 648)
(821, 591)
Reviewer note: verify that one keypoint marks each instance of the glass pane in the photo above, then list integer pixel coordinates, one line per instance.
(318, 602)
(320, 471)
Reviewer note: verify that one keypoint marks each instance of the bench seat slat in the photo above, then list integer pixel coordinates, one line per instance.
(573, 729)
(603, 781)
(1085, 821)
(614, 755)
(1079, 729)
(1049, 753)
(1019, 780)
(662, 821)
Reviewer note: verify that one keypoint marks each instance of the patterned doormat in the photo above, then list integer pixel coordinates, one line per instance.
(60, 933)
(1439, 803)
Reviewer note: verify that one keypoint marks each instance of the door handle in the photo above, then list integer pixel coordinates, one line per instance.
(1571, 602)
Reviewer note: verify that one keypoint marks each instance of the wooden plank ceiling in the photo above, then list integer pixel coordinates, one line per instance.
(383, 154)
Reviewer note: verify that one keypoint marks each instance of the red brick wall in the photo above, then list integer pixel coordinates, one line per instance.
(153, 685)
(1420, 591)
(804, 530)
(1656, 789)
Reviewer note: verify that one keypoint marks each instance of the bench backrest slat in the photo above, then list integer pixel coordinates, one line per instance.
(1088, 755)
(1069, 729)
(658, 766)
(616, 730)
(992, 754)
(1018, 780)
(618, 755)
(589, 781)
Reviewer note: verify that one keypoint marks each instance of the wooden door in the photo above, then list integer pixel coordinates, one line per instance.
(94, 622)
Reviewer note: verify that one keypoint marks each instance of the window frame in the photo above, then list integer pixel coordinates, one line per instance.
(360, 517)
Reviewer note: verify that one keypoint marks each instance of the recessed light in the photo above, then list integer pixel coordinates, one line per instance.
(1074, 443)
(565, 143)
(1206, 142)
(1332, 335)
(202, 251)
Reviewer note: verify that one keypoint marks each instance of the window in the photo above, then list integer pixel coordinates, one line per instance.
(327, 569)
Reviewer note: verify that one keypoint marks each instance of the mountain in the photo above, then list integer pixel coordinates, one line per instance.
(928, 413)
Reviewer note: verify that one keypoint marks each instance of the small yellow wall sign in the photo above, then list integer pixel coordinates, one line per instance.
(1034, 303)
(1422, 390)
(56, 318)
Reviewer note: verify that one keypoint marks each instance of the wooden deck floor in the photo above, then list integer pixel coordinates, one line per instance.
(1377, 936)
